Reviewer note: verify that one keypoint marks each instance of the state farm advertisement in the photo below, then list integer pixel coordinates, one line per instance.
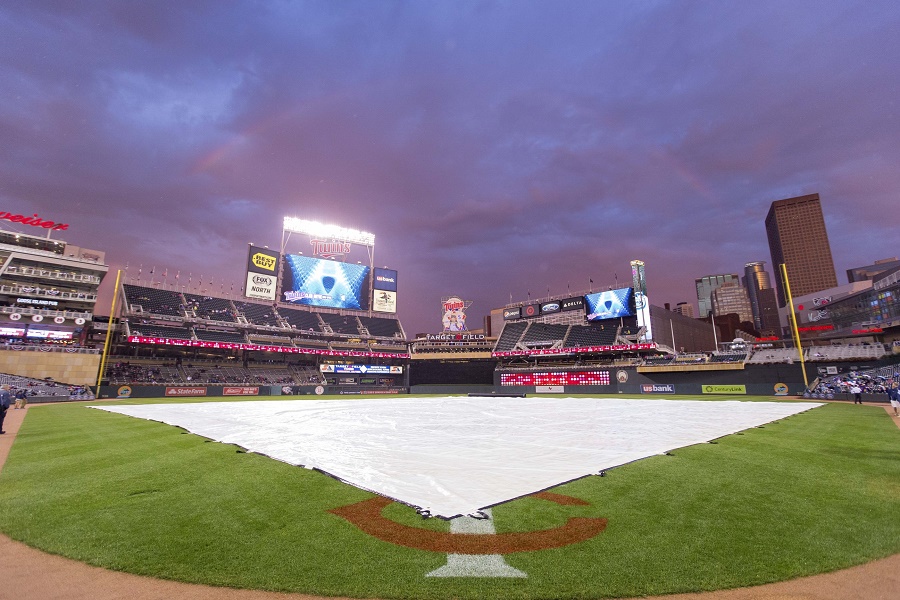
(240, 391)
(185, 391)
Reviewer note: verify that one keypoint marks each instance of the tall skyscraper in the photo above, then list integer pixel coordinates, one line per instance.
(705, 287)
(756, 278)
(768, 312)
(797, 238)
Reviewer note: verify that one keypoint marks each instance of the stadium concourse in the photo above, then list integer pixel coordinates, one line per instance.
(34, 575)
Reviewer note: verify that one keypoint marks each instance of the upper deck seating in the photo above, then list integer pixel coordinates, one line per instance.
(346, 324)
(590, 335)
(258, 314)
(301, 320)
(209, 335)
(161, 331)
(510, 335)
(544, 334)
(154, 301)
(381, 327)
(210, 307)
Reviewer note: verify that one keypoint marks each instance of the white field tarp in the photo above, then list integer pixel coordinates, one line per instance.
(453, 456)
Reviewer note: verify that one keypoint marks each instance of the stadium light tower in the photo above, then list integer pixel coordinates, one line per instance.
(329, 241)
(314, 229)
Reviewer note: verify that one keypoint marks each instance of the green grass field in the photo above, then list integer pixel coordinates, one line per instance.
(815, 492)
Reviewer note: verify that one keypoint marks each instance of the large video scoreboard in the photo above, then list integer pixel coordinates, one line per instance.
(325, 283)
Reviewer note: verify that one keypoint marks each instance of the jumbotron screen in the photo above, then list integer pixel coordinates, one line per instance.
(611, 304)
(319, 282)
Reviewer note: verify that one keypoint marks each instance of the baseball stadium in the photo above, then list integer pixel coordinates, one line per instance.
(291, 439)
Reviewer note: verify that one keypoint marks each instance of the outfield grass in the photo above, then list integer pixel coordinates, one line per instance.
(814, 492)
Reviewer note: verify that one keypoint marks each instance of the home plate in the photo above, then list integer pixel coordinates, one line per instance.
(453, 456)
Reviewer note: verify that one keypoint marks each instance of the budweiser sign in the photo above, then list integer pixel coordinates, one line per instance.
(34, 221)
(240, 391)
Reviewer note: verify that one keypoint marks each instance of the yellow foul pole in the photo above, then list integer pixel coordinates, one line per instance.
(109, 333)
(794, 331)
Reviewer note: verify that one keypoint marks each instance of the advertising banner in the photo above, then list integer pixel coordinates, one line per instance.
(724, 389)
(385, 279)
(260, 286)
(262, 273)
(384, 301)
(240, 391)
(454, 313)
(185, 391)
(532, 310)
(512, 313)
(550, 307)
(576, 303)
(368, 369)
(657, 388)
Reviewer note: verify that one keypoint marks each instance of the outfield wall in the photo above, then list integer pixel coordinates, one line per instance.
(237, 391)
(756, 380)
(73, 368)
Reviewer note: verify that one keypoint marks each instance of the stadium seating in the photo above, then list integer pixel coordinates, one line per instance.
(160, 331)
(690, 359)
(543, 335)
(590, 335)
(510, 335)
(34, 387)
(773, 356)
(657, 361)
(345, 324)
(210, 308)
(270, 340)
(125, 372)
(845, 352)
(262, 315)
(311, 344)
(731, 357)
(380, 327)
(154, 301)
(301, 320)
(210, 335)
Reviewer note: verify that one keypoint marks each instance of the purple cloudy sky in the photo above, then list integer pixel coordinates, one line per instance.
(493, 148)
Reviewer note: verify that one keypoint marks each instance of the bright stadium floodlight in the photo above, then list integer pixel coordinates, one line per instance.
(335, 232)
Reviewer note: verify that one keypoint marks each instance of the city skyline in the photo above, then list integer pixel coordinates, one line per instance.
(488, 165)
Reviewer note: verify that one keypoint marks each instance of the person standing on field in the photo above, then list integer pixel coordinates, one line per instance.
(5, 400)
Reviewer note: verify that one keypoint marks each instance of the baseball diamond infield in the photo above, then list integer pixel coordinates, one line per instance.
(378, 525)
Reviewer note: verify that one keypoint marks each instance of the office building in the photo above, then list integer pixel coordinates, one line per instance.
(770, 320)
(870, 272)
(705, 287)
(756, 278)
(731, 298)
(798, 239)
(685, 309)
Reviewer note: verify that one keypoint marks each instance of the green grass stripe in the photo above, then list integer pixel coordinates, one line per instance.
(815, 492)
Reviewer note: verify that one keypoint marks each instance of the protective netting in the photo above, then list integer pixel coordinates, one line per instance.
(455, 455)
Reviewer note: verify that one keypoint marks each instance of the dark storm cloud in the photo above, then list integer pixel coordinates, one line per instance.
(494, 148)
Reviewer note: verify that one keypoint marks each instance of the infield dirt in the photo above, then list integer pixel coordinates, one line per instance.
(29, 574)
